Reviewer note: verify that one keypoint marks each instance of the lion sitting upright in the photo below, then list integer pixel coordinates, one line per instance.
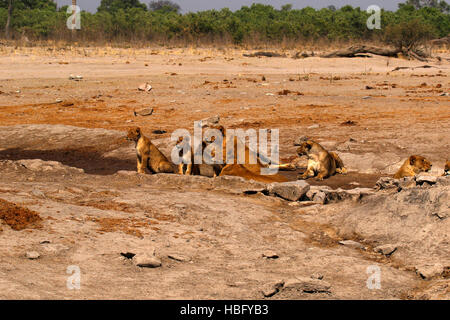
(148, 155)
(412, 166)
(322, 163)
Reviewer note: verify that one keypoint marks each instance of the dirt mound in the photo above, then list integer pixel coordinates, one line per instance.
(17, 217)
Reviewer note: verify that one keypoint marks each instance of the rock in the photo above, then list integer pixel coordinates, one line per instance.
(291, 191)
(352, 244)
(32, 255)
(387, 249)
(75, 78)
(144, 260)
(38, 193)
(317, 276)
(272, 289)
(144, 112)
(320, 197)
(443, 181)
(307, 285)
(270, 255)
(145, 87)
(179, 258)
(430, 271)
(422, 178)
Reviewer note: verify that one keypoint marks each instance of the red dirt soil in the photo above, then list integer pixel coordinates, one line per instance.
(17, 217)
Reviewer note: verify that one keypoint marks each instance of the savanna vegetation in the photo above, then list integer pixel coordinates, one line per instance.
(161, 22)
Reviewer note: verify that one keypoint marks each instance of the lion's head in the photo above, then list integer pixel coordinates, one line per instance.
(447, 168)
(214, 127)
(134, 134)
(420, 164)
(304, 148)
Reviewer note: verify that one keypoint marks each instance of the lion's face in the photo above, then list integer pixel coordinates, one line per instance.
(447, 168)
(304, 148)
(420, 163)
(214, 127)
(134, 134)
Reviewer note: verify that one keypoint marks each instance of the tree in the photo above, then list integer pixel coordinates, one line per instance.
(286, 7)
(164, 5)
(115, 5)
(8, 21)
(332, 8)
(419, 4)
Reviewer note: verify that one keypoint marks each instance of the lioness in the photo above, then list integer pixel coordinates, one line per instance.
(322, 163)
(246, 170)
(240, 170)
(148, 155)
(447, 169)
(412, 166)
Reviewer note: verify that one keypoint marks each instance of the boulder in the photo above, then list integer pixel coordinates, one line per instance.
(291, 191)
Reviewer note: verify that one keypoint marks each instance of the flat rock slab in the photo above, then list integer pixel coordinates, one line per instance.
(291, 191)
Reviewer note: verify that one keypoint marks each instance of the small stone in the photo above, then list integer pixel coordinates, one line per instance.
(178, 258)
(270, 255)
(145, 87)
(307, 285)
(420, 179)
(144, 112)
(386, 249)
(146, 261)
(352, 244)
(32, 255)
(272, 289)
(320, 197)
(430, 271)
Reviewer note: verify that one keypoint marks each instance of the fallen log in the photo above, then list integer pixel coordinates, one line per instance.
(265, 54)
(353, 51)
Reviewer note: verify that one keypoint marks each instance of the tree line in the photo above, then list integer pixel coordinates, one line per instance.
(161, 22)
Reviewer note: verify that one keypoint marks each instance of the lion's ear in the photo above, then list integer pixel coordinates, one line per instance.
(412, 160)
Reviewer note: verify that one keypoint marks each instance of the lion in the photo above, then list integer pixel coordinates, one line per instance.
(322, 163)
(447, 169)
(240, 170)
(247, 170)
(412, 166)
(148, 155)
(188, 166)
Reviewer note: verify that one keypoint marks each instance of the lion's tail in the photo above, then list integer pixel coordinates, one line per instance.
(340, 168)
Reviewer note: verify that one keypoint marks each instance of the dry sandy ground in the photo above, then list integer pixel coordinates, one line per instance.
(93, 207)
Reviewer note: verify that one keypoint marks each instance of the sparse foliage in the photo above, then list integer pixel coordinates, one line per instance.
(164, 5)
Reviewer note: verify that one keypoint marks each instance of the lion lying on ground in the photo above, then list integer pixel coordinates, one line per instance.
(322, 163)
(247, 171)
(148, 155)
(447, 169)
(412, 166)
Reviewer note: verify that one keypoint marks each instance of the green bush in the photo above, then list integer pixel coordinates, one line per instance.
(131, 21)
